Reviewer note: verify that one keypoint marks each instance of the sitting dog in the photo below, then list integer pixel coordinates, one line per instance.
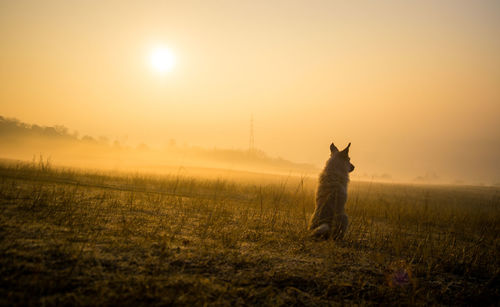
(329, 216)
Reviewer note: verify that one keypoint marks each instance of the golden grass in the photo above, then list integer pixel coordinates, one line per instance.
(89, 238)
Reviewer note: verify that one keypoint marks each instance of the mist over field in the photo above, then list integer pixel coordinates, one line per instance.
(164, 152)
(23, 141)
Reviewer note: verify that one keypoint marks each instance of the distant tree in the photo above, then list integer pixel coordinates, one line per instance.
(61, 130)
(37, 129)
(50, 131)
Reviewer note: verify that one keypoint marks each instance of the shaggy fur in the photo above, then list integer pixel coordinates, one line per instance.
(329, 216)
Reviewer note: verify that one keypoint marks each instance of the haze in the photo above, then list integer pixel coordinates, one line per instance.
(414, 85)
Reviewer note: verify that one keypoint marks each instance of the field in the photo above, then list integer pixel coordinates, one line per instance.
(76, 237)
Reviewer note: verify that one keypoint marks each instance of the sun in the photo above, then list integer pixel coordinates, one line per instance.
(162, 59)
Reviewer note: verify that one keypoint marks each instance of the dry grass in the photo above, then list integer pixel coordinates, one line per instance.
(83, 238)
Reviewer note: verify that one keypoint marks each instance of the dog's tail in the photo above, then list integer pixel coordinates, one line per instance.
(322, 231)
(325, 230)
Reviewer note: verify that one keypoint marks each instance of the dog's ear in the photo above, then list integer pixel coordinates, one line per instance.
(346, 150)
(333, 148)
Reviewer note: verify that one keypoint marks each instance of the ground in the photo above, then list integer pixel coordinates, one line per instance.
(76, 237)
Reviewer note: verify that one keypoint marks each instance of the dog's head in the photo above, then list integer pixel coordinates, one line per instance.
(342, 158)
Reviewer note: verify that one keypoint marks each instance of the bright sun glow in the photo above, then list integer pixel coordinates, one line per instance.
(162, 59)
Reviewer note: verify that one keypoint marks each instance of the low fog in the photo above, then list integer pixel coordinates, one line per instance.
(26, 142)
(55, 145)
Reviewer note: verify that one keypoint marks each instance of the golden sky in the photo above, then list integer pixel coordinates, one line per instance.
(414, 85)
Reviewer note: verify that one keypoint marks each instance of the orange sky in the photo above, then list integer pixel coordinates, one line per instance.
(414, 85)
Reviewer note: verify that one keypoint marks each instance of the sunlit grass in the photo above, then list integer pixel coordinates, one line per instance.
(77, 237)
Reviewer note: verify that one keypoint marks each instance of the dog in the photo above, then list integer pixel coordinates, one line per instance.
(329, 218)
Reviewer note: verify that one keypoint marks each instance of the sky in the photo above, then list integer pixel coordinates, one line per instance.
(413, 85)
